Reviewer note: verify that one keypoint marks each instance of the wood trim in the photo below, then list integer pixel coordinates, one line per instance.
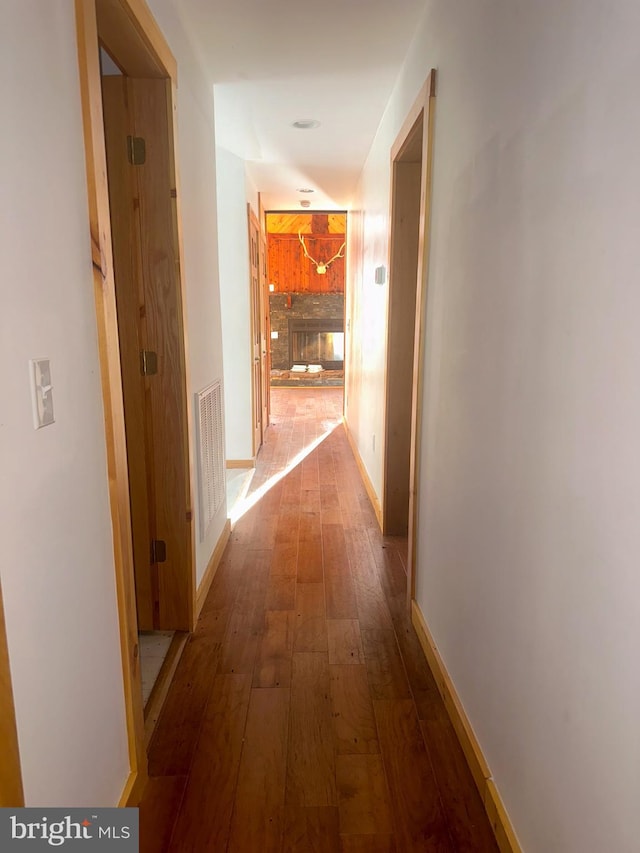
(423, 109)
(212, 567)
(129, 30)
(400, 141)
(475, 759)
(499, 820)
(371, 492)
(188, 414)
(109, 355)
(160, 691)
(421, 299)
(496, 812)
(253, 227)
(427, 90)
(241, 463)
(133, 790)
(265, 320)
(11, 791)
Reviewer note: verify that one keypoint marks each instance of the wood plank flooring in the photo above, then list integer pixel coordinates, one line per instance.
(303, 716)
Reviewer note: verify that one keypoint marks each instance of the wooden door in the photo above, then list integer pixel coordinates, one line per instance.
(168, 446)
(142, 193)
(130, 308)
(256, 329)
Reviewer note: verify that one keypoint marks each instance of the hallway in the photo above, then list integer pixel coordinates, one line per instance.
(303, 716)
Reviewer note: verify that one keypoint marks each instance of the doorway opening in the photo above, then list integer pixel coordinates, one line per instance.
(306, 298)
(409, 221)
(128, 76)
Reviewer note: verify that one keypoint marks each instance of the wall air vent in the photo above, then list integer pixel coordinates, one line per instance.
(211, 464)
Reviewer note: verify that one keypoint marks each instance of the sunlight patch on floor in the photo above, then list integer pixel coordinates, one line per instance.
(238, 482)
(251, 500)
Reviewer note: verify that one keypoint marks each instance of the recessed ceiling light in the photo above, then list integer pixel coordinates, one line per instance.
(305, 203)
(305, 124)
(306, 190)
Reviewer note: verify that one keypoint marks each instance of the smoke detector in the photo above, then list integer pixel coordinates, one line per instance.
(305, 124)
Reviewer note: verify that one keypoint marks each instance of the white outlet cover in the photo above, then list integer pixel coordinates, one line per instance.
(41, 392)
(274, 336)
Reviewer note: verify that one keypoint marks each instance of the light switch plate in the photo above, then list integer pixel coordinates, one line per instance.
(41, 392)
(274, 336)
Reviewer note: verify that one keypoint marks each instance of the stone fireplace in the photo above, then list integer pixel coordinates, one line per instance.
(310, 332)
(319, 341)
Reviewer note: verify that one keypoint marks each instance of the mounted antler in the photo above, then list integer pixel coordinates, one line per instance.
(321, 268)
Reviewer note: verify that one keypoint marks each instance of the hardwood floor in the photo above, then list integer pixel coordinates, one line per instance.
(303, 716)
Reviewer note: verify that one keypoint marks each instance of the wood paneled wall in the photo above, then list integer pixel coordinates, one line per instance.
(292, 272)
(308, 223)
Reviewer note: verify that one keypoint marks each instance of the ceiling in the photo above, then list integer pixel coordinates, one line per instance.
(275, 61)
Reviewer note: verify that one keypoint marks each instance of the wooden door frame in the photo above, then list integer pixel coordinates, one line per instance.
(255, 310)
(423, 110)
(129, 31)
(265, 320)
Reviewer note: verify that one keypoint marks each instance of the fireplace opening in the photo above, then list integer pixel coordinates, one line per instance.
(317, 341)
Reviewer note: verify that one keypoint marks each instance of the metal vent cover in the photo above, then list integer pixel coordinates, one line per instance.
(211, 464)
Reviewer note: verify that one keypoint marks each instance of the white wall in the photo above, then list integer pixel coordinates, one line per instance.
(57, 565)
(366, 312)
(57, 557)
(529, 535)
(197, 168)
(233, 194)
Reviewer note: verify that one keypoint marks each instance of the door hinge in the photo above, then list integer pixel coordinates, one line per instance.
(148, 362)
(158, 551)
(136, 150)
